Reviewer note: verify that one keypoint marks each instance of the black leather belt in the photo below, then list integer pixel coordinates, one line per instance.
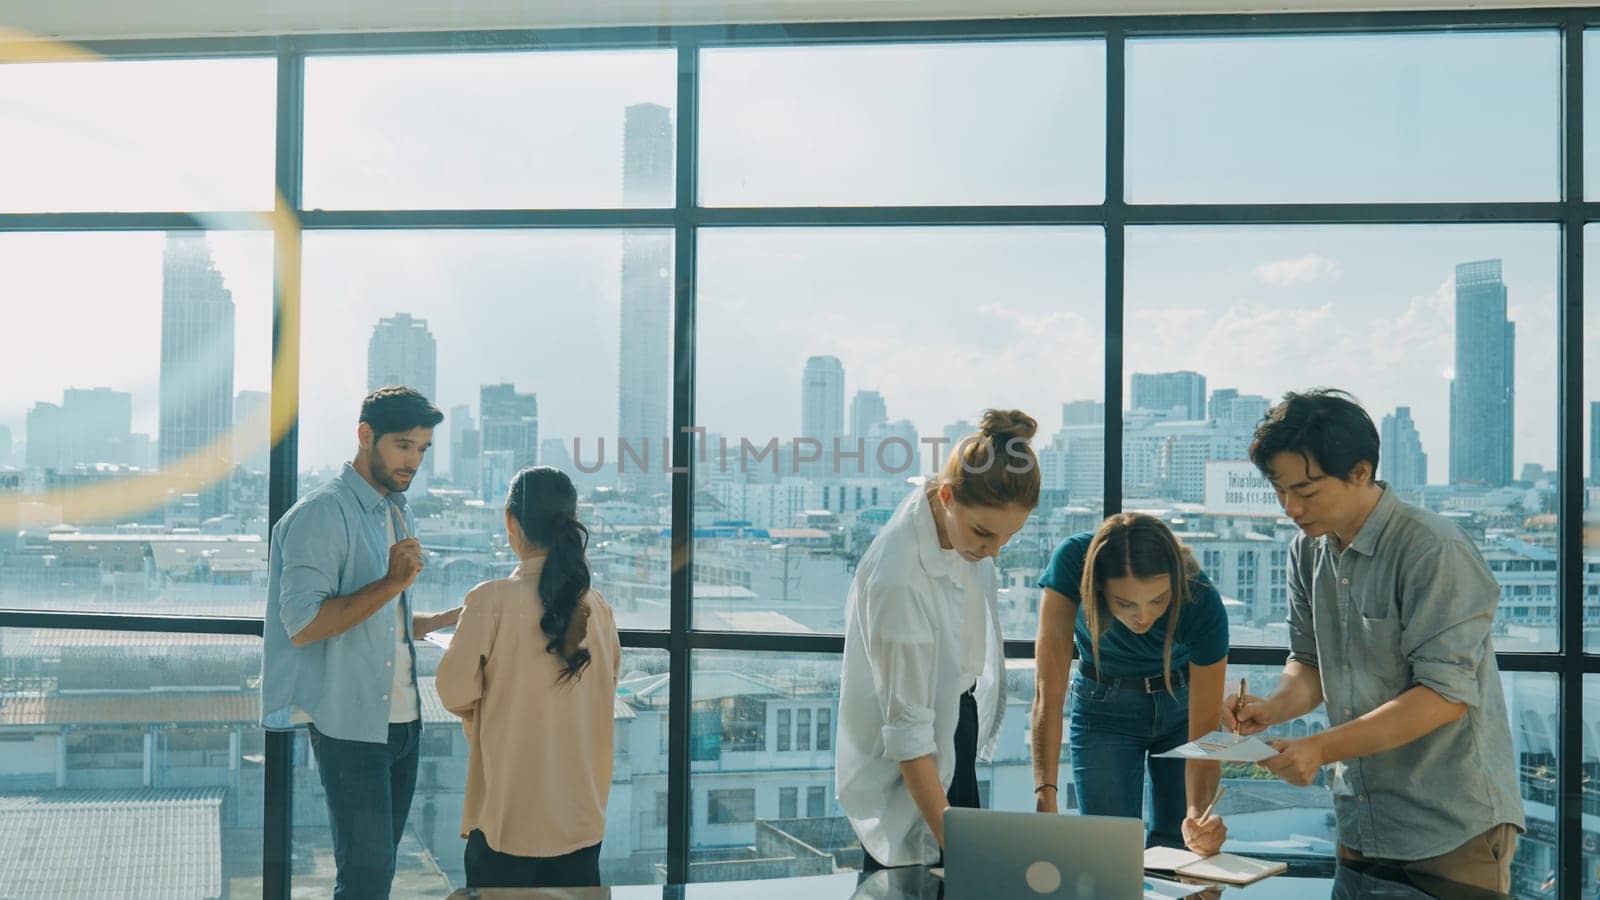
(1153, 685)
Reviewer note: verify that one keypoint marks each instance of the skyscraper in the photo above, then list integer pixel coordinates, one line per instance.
(5, 445)
(1233, 410)
(44, 437)
(510, 423)
(96, 426)
(644, 384)
(464, 448)
(1402, 463)
(1082, 412)
(196, 361)
(822, 400)
(1167, 391)
(1482, 395)
(867, 409)
(402, 351)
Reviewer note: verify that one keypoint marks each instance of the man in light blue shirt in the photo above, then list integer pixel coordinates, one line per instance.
(338, 653)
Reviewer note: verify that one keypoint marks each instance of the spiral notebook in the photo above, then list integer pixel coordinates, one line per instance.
(1224, 867)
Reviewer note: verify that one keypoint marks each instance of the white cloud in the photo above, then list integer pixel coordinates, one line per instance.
(1305, 269)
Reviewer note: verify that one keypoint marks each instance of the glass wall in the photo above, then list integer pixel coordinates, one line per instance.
(580, 246)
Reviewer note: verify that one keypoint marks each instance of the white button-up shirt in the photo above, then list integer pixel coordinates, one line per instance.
(901, 688)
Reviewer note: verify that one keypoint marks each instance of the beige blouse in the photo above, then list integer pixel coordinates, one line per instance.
(539, 764)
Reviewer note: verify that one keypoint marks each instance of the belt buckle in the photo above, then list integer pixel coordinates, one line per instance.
(1147, 688)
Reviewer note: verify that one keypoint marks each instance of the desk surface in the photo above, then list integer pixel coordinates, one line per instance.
(917, 883)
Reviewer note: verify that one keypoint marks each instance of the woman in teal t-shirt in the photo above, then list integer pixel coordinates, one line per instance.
(1153, 657)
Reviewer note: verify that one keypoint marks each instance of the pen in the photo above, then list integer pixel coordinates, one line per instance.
(1221, 789)
(1238, 705)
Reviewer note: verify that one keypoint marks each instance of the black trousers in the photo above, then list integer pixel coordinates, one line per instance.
(964, 784)
(488, 867)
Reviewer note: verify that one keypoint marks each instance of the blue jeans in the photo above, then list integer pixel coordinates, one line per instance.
(1113, 732)
(369, 788)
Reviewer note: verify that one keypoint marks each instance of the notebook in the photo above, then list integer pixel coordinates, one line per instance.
(1224, 867)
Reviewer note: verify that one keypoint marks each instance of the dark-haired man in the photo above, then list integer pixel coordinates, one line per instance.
(338, 654)
(1390, 609)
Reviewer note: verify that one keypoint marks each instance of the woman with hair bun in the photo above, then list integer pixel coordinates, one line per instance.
(923, 687)
(532, 672)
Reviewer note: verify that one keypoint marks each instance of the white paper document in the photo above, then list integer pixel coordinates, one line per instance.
(439, 638)
(1224, 867)
(1222, 746)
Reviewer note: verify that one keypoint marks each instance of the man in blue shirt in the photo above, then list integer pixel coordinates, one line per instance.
(338, 653)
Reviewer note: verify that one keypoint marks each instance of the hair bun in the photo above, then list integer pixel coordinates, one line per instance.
(1004, 424)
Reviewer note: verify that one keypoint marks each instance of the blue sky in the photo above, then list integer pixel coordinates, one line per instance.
(943, 321)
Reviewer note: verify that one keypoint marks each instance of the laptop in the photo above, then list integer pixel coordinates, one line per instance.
(1033, 856)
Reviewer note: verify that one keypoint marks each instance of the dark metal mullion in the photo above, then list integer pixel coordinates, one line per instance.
(645, 36)
(1116, 210)
(1569, 463)
(497, 40)
(235, 220)
(283, 470)
(644, 639)
(320, 219)
(680, 796)
(1374, 213)
(91, 621)
(871, 216)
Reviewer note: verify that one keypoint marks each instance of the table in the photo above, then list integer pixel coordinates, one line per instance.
(1303, 881)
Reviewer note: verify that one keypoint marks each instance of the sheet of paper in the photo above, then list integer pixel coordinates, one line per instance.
(1159, 889)
(439, 638)
(1220, 746)
(1232, 869)
(1169, 859)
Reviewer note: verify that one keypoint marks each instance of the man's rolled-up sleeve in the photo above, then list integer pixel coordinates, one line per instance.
(313, 549)
(1448, 610)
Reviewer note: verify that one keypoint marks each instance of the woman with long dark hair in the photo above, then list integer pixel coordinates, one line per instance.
(532, 672)
(1151, 638)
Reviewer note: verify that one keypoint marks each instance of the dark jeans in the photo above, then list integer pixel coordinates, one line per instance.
(487, 867)
(1114, 732)
(369, 788)
(964, 783)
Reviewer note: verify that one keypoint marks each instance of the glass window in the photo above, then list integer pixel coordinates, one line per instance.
(147, 135)
(802, 729)
(891, 342)
(783, 729)
(1591, 435)
(137, 448)
(788, 802)
(816, 801)
(543, 130)
(430, 861)
(1344, 118)
(721, 848)
(1532, 701)
(992, 122)
(824, 729)
(110, 737)
(1591, 783)
(731, 807)
(1446, 335)
(548, 377)
(1591, 110)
